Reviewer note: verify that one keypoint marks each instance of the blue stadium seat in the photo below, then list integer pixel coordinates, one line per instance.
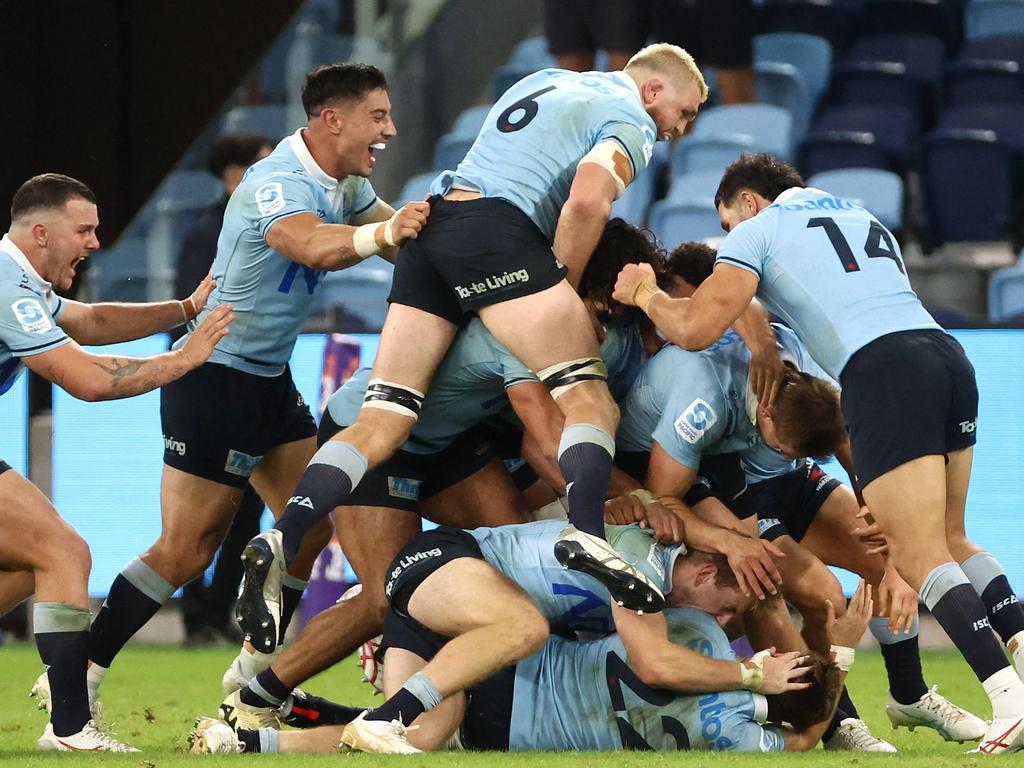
(1006, 292)
(877, 82)
(509, 74)
(987, 18)
(880, 192)
(833, 21)
(362, 290)
(271, 120)
(450, 150)
(675, 223)
(533, 52)
(695, 186)
(120, 273)
(810, 54)
(634, 202)
(782, 85)
(696, 154)
(470, 121)
(1004, 47)
(893, 132)
(1005, 120)
(823, 151)
(314, 46)
(940, 19)
(967, 186)
(921, 55)
(415, 188)
(991, 81)
(764, 126)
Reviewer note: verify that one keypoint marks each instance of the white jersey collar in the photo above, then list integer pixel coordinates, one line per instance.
(626, 80)
(9, 247)
(306, 159)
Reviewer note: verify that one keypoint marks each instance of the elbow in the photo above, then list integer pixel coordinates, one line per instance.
(695, 339)
(89, 392)
(592, 207)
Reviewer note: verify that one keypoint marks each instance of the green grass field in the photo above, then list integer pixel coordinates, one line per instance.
(153, 695)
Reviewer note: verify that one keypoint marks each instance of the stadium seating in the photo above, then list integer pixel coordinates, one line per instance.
(1006, 292)
(1005, 120)
(415, 188)
(860, 135)
(987, 18)
(311, 47)
(810, 54)
(120, 273)
(634, 202)
(877, 82)
(938, 19)
(749, 127)
(881, 192)
(833, 21)
(782, 85)
(984, 82)
(362, 290)
(922, 56)
(695, 186)
(271, 120)
(967, 186)
(451, 149)
(674, 223)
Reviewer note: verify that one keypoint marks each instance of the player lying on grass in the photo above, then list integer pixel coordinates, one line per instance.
(572, 695)
(686, 406)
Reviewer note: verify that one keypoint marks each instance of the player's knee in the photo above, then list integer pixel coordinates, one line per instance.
(75, 552)
(570, 376)
(392, 397)
(530, 631)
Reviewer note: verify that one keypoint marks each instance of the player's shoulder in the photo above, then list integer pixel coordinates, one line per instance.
(14, 280)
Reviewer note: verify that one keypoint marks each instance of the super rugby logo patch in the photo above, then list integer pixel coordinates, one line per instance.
(270, 198)
(30, 316)
(697, 419)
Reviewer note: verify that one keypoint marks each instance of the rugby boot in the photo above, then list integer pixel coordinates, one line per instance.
(213, 737)
(381, 736)
(854, 735)
(629, 586)
(934, 711)
(258, 609)
(90, 739)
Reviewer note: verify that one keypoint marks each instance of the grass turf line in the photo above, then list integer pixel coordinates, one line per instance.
(154, 693)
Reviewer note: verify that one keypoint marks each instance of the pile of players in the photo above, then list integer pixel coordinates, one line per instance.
(537, 356)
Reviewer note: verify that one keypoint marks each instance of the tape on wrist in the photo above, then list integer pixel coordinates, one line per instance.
(188, 308)
(644, 293)
(645, 496)
(843, 656)
(752, 678)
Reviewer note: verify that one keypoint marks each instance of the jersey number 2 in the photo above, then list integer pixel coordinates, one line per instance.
(878, 245)
(529, 108)
(618, 674)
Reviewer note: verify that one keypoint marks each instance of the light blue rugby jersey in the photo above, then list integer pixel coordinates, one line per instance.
(471, 381)
(696, 403)
(570, 600)
(583, 696)
(539, 130)
(829, 270)
(271, 294)
(28, 313)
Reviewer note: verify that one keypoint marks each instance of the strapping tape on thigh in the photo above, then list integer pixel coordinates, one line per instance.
(396, 398)
(562, 377)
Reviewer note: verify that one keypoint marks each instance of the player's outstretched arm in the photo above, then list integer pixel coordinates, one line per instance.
(110, 323)
(661, 663)
(108, 377)
(695, 323)
(302, 237)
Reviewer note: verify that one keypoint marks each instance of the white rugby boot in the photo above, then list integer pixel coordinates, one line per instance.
(258, 609)
(238, 714)
(588, 554)
(1003, 735)
(213, 737)
(381, 736)
(854, 735)
(934, 711)
(89, 739)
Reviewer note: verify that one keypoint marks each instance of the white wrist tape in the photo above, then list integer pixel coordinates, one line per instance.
(752, 677)
(370, 239)
(843, 656)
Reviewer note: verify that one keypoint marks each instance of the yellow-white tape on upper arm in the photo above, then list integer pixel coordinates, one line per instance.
(610, 156)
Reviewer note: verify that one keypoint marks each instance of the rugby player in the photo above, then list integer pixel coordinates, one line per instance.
(305, 209)
(53, 230)
(833, 273)
(574, 695)
(554, 153)
(446, 471)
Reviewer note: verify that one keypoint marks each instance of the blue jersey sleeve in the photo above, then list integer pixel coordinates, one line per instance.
(27, 324)
(747, 245)
(513, 371)
(275, 197)
(359, 197)
(636, 141)
(694, 420)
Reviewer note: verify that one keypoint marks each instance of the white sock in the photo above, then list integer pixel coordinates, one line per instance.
(93, 677)
(1006, 692)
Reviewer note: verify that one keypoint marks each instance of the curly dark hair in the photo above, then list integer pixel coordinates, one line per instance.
(812, 705)
(762, 173)
(691, 261)
(621, 243)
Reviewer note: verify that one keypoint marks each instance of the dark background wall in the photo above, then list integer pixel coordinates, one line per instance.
(112, 91)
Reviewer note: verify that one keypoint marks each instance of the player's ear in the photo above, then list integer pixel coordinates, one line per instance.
(40, 235)
(332, 119)
(651, 88)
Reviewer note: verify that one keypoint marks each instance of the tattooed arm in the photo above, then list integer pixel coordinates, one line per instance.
(107, 377)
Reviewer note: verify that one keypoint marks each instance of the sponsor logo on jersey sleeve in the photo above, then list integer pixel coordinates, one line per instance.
(697, 419)
(270, 198)
(31, 316)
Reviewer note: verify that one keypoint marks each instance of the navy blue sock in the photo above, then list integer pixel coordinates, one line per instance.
(846, 704)
(1005, 613)
(903, 666)
(332, 473)
(417, 696)
(62, 639)
(250, 740)
(134, 598)
(291, 595)
(585, 458)
(958, 608)
(266, 690)
(836, 721)
(308, 711)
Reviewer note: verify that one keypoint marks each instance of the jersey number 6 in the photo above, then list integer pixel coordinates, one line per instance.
(527, 105)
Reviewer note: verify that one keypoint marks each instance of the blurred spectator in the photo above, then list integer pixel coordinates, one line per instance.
(578, 29)
(717, 33)
(206, 609)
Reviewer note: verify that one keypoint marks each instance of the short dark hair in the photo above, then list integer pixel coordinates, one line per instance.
(762, 173)
(621, 243)
(339, 82)
(693, 262)
(813, 704)
(48, 190)
(235, 149)
(725, 578)
(808, 415)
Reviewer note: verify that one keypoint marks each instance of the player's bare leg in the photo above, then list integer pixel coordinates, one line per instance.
(552, 333)
(913, 506)
(15, 586)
